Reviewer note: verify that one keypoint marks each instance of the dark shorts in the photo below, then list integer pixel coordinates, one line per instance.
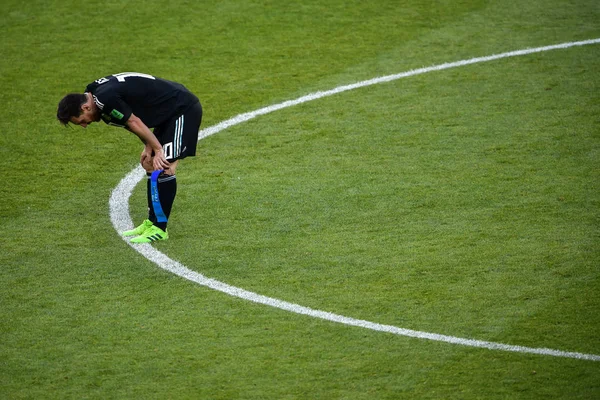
(179, 136)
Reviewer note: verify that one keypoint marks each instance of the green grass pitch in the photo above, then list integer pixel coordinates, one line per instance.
(463, 202)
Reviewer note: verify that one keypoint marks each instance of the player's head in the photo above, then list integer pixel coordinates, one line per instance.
(77, 108)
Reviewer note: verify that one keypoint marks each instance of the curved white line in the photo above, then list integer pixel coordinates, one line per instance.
(121, 220)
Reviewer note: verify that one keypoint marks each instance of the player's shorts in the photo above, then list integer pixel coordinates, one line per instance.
(179, 136)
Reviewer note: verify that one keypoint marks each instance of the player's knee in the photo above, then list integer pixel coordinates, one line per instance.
(148, 165)
(172, 168)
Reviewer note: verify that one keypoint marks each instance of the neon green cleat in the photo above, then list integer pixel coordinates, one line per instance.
(152, 234)
(139, 230)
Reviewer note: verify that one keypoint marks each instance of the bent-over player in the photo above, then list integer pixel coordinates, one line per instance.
(139, 102)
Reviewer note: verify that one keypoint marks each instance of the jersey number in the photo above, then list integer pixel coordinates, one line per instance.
(121, 77)
(168, 150)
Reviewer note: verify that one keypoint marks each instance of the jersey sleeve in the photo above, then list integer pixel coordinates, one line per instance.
(114, 110)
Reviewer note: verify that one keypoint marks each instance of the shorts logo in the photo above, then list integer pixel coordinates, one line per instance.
(116, 114)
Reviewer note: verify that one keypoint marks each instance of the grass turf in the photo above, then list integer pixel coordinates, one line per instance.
(463, 202)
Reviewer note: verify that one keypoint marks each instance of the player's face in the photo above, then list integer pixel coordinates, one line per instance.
(89, 114)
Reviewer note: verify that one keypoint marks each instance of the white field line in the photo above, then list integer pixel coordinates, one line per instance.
(121, 220)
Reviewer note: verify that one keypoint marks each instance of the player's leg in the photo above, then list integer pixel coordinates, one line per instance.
(145, 225)
(163, 195)
(160, 195)
(161, 189)
(179, 138)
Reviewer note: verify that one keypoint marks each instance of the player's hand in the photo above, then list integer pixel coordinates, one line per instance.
(160, 162)
(146, 159)
(145, 156)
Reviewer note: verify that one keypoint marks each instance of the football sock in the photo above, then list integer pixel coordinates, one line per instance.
(167, 189)
(151, 215)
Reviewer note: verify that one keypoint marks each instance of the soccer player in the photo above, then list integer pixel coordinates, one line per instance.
(139, 102)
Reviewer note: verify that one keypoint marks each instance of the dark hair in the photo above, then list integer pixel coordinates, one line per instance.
(70, 106)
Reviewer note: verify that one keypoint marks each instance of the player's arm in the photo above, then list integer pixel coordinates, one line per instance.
(137, 126)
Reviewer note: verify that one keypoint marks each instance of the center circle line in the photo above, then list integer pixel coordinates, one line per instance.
(121, 220)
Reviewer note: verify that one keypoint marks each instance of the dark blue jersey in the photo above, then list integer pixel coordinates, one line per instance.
(151, 99)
